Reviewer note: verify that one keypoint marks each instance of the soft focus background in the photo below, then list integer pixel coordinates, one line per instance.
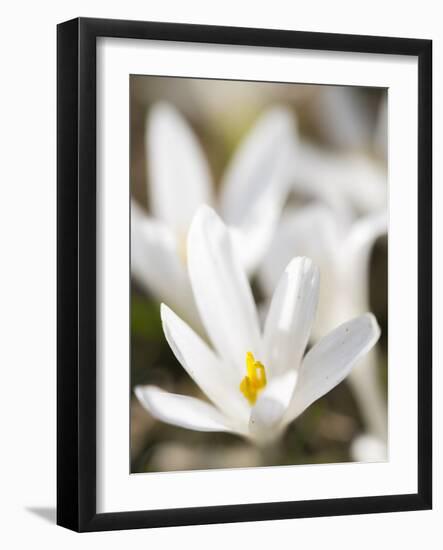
(347, 125)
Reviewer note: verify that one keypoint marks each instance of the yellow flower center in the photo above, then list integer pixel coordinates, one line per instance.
(255, 379)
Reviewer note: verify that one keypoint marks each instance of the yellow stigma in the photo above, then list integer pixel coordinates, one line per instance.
(255, 379)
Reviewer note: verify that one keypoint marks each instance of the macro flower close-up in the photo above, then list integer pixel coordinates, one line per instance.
(259, 262)
(258, 381)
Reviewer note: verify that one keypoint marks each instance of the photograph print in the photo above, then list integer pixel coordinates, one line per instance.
(259, 259)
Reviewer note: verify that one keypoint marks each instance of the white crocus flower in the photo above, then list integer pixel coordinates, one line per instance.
(251, 196)
(342, 251)
(349, 183)
(257, 382)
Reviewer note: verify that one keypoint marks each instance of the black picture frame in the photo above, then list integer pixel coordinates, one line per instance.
(76, 273)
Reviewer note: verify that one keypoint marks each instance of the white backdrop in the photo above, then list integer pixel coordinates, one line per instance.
(27, 289)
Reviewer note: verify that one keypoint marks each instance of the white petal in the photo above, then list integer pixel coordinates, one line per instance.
(290, 317)
(354, 264)
(331, 360)
(219, 381)
(255, 184)
(300, 232)
(265, 422)
(221, 290)
(181, 410)
(364, 183)
(345, 182)
(179, 177)
(310, 231)
(368, 448)
(363, 235)
(248, 171)
(317, 175)
(156, 265)
(344, 117)
(381, 128)
(366, 385)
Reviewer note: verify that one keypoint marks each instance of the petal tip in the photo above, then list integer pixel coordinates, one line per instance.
(160, 110)
(204, 215)
(283, 116)
(373, 324)
(165, 311)
(141, 392)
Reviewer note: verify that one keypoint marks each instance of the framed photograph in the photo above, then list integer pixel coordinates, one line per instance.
(244, 274)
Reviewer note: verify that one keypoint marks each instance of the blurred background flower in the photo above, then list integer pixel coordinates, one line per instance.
(271, 393)
(337, 196)
(251, 195)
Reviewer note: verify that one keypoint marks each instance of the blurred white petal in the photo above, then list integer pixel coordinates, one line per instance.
(291, 315)
(221, 289)
(218, 380)
(371, 398)
(154, 259)
(179, 176)
(345, 182)
(310, 231)
(331, 360)
(343, 117)
(364, 183)
(368, 448)
(181, 410)
(265, 418)
(353, 265)
(248, 173)
(362, 236)
(381, 129)
(256, 182)
(156, 265)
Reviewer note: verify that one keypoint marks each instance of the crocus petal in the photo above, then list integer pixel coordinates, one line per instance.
(181, 410)
(363, 235)
(311, 231)
(291, 314)
(370, 395)
(363, 183)
(221, 290)
(156, 265)
(248, 171)
(381, 129)
(368, 448)
(344, 117)
(354, 260)
(255, 183)
(179, 177)
(267, 414)
(331, 360)
(344, 182)
(218, 380)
